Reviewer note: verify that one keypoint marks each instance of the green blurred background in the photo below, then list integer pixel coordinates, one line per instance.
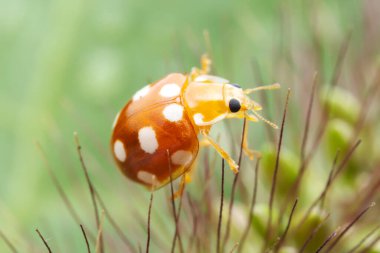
(69, 65)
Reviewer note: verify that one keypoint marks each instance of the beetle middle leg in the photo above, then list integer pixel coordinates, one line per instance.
(234, 167)
(249, 152)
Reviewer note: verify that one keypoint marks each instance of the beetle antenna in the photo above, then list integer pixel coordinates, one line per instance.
(274, 86)
(264, 119)
(250, 117)
(253, 107)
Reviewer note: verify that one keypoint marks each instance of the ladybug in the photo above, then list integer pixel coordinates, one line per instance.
(155, 135)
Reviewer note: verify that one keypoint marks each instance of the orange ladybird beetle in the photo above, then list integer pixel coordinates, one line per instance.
(155, 136)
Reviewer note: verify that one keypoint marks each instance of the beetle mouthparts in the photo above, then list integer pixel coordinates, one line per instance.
(252, 105)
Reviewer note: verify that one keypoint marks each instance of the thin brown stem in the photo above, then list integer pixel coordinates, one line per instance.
(8, 242)
(306, 159)
(364, 239)
(371, 245)
(98, 245)
(274, 179)
(348, 227)
(233, 191)
(369, 98)
(320, 130)
(323, 193)
(195, 224)
(332, 177)
(178, 233)
(308, 116)
(69, 206)
(332, 236)
(313, 233)
(175, 215)
(148, 226)
(251, 208)
(339, 63)
(220, 210)
(372, 190)
(85, 238)
(366, 103)
(205, 217)
(283, 236)
(234, 247)
(345, 160)
(91, 189)
(44, 241)
(304, 165)
(114, 224)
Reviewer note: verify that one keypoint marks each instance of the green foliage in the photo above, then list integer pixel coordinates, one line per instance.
(70, 65)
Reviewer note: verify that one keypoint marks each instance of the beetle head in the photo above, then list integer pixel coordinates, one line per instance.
(242, 106)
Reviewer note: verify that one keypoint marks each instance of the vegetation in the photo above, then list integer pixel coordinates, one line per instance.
(69, 66)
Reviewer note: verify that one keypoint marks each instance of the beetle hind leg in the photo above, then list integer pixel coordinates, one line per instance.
(185, 179)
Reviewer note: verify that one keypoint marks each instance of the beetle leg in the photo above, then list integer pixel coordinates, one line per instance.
(204, 143)
(205, 67)
(234, 167)
(186, 178)
(249, 152)
(205, 64)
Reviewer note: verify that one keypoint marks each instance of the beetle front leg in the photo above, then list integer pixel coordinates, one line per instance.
(205, 64)
(234, 167)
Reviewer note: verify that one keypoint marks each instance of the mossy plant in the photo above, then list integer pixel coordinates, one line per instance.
(69, 65)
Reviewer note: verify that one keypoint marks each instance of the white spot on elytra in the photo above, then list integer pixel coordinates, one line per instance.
(198, 119)
(141, 93)
(173, 112)
(119, 150)
(147, 177)
(148, 140)
(182, 157)
(170, 90)
(115, 120)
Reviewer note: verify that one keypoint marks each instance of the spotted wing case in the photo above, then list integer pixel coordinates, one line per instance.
(151, 124)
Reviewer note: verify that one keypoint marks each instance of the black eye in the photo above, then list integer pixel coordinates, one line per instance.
(236, 85)
(234, 105)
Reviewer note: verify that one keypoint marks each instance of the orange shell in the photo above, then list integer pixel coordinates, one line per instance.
(153, 129)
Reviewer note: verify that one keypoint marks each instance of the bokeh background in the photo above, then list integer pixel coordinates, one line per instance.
(69, 65)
